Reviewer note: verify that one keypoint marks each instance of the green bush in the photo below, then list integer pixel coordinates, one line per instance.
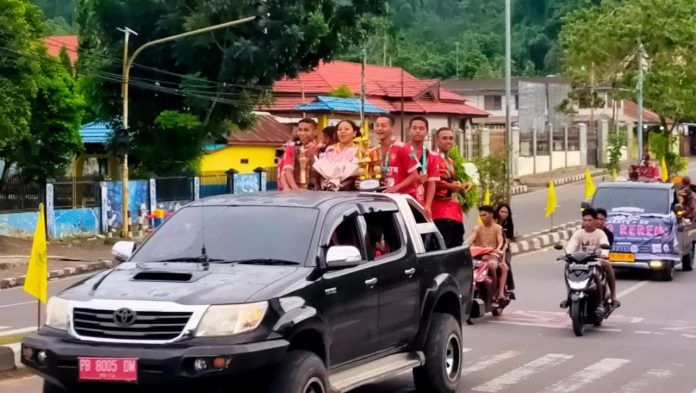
(492, 175)
(617, 141)
(660, 146)
(471, 198)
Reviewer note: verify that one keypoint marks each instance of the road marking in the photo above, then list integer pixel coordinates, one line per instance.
(522, 373)
(490, 361)
(641, 332)
(17, 331)
(587, 375)
(465, 350)
(639, 385)
(631, 289)
(17, 304)
(615, 330)
(689, 336)
(51, 281)
(542, 325)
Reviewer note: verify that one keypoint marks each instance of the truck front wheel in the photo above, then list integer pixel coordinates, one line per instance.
(441, 372)
(300, 372)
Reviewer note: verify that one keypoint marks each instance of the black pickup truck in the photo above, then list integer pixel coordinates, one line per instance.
(269, 292)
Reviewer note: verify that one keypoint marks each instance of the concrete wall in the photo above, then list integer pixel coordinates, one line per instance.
(525, 165)
(77, 222)
(18, 224)
(232, 156)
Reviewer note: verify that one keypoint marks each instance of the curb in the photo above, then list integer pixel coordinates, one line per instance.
(12, 282)
(539, 240)
(568, 179)
(9, 357)
(516, 190)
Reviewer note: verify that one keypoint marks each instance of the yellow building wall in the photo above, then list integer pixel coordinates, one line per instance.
(231, 157)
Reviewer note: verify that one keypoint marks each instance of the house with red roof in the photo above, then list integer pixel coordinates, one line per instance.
(388, 88)
(55, 43)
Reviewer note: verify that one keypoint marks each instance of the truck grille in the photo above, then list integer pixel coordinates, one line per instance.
(146, 325)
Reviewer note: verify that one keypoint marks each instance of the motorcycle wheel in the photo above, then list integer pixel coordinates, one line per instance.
(576, 315)
(497, 311)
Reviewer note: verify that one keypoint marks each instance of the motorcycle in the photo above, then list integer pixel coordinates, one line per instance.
(583, 297)
(484, 286)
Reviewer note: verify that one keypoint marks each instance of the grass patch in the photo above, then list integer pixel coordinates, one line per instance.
(11, 339)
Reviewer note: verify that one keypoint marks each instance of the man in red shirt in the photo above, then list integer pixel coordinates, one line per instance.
(397, 160)
(429, 173)
(447, 213)
(290, 163)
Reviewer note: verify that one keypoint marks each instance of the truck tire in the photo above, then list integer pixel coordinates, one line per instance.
(442, 370)
(51, 388)
(666, 274)
(300, 372)
(688, 261)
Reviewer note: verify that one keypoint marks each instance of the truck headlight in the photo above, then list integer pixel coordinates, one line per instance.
(57, 313)
(231, 319)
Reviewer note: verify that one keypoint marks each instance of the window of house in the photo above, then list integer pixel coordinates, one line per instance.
(244, 161)
(383, 223)
(493, 103)
(517, 102)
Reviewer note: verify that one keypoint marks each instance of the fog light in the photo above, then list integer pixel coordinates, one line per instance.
(28, 353)
(221, 362)
(41, 357)
(656, 265)
(200, 364)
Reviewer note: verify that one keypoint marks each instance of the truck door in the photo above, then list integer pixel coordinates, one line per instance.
(350, 302)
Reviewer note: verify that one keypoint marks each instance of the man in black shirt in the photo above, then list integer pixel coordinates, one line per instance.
(601, 221)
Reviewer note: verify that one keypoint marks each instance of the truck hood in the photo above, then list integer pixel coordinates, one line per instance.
(184, 283)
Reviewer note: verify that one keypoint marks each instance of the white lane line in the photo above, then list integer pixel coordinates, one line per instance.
(522, 373)
(587, 375)
(639, 385)
(17, 304)
(465, 350)
(642, 332)
(17, 331)
(632, 289)
(603, 329)
(490, 361)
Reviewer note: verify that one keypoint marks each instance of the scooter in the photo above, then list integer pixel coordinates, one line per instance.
(484, 287)
(583, 297)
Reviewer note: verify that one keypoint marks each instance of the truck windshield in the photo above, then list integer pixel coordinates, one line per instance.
(232, 233)
(632, 200)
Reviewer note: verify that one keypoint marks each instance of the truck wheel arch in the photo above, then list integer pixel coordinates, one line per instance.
(303, 328)
(442, 297)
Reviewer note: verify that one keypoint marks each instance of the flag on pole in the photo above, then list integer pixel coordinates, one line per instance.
(486, 201)
(551, 201)
(665, 172)
(36, 281)
(614, 174)
(589, 184)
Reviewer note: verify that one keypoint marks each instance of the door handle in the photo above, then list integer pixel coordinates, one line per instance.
(410, 272)
(371, 282)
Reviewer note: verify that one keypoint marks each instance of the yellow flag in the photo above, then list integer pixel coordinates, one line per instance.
(486, 201)
(614, 174)
(36, 281)
(551, 202)
(665, 172)
(589, 184)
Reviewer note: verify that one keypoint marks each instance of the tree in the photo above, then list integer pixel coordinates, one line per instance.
(218, 77)
(53, 140)
(342, 91)
(20, 48)
(606, 38)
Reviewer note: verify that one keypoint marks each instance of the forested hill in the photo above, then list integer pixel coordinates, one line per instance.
(422, 35)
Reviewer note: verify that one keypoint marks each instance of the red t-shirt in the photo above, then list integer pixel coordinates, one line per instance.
(446, 206)
(399, 162)
(432, 172)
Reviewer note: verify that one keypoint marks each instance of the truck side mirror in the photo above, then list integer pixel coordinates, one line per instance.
(340, 257)
(679, 209)
(122, 250)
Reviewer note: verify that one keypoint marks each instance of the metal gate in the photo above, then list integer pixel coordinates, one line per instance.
(592, 145)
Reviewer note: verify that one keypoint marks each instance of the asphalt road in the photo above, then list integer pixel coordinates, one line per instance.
(646, 346)
(528, 209)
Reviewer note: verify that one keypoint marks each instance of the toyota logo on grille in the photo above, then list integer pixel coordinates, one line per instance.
(124, 317)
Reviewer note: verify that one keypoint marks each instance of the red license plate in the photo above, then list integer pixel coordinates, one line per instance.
(108, 369)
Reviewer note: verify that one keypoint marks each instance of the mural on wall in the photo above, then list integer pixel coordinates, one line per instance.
(77, 222)
(18, 224)
(138, 195)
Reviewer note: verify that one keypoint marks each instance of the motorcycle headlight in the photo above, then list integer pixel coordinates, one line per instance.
(58, 313)
(578, 284)
(232, 319)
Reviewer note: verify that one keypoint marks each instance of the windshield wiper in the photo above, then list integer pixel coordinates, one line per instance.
(266, 261)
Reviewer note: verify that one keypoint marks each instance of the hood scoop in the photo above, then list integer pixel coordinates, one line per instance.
(165, 276)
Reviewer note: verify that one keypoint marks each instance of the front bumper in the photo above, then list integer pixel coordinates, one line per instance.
(157, 365)
(646, 264)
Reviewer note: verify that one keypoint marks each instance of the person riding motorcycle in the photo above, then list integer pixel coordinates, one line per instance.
(589, 239)
(490, 235)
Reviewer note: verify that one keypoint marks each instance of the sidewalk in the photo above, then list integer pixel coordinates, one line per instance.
(560, 176)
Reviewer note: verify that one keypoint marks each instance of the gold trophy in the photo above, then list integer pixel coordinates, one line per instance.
(370, 171)
(304, 161)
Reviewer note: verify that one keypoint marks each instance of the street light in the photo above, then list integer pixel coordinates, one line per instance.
(261, 18)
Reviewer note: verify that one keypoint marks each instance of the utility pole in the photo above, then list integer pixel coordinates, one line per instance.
(363, 87)
(508, 98)
(457, 45)
(125, 220)
(593, 129)
(261, 18)
(641, 54)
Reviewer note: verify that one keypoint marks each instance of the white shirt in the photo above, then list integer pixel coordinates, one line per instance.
(588, 242)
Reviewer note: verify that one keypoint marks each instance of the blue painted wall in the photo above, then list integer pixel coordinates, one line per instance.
(18, 224)
(139, 195)
(77, 222)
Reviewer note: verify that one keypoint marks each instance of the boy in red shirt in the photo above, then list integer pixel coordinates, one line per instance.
(397, 160)
(447, 213)
(429, 173)
(290, 171)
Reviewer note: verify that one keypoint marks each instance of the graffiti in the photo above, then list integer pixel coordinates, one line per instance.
(77, 222)
(138, 194)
